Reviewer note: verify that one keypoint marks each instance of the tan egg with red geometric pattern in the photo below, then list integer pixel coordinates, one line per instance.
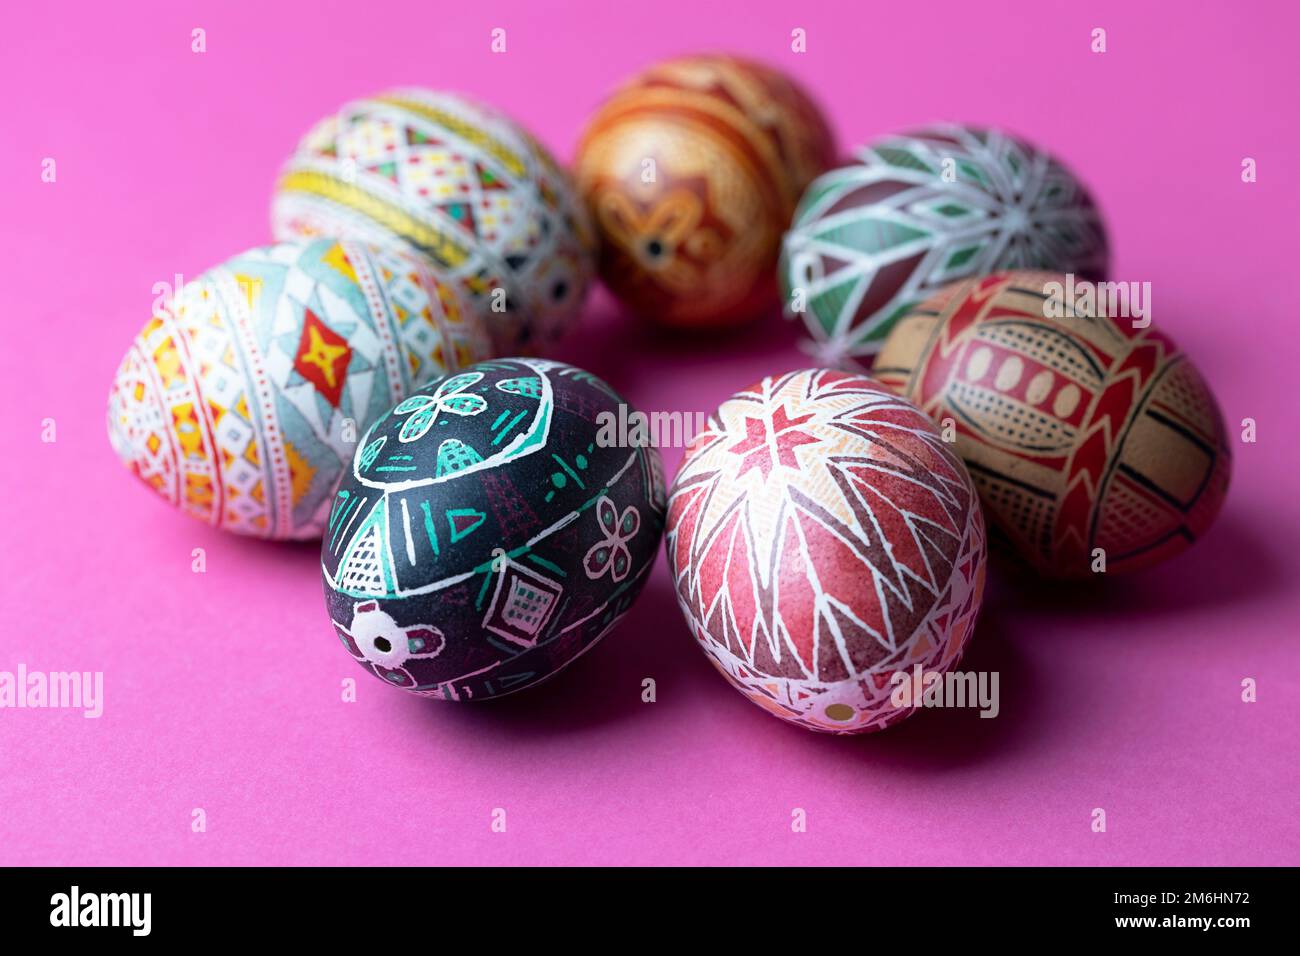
(1095, 444)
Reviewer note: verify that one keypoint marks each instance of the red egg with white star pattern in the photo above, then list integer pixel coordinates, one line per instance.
(823, 540)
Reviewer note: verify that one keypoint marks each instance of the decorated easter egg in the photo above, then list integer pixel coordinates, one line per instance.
(488, 533)
(460, 183)
(692, 170)
(1094, 442)
(826, 546)
(917, 211)
(242, 399)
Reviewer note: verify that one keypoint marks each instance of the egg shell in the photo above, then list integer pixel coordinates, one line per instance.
(822, 538)
(917, 211)
(460, 183)
(242, 398)
(692, 170)
(484, 536)
(1080, 430)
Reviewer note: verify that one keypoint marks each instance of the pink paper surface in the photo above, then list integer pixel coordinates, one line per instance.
(222, 689)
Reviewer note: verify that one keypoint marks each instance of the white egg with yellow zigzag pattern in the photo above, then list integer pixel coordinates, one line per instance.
(459, 183)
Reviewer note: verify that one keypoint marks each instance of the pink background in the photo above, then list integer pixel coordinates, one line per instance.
(223, 689)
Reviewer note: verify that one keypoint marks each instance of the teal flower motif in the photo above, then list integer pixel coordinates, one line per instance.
(449, 397)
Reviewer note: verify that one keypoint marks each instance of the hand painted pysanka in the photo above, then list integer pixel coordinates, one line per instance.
(483, 537)
(1094, 442)
(692, 170)
(242, 399)
(822, 538)
(917, 211)
(461, 184)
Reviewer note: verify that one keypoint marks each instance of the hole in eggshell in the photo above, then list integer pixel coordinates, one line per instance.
(382, 645)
